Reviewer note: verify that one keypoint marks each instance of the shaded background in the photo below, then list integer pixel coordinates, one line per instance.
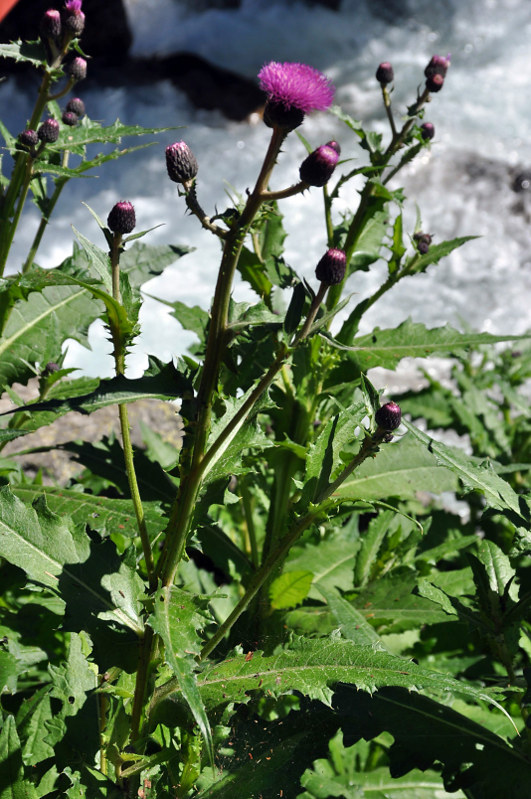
(171, 62)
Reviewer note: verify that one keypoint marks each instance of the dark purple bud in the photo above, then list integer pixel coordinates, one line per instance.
(385, 73)
(334, 145)
(122, 218)
(77, 106)
(423, 241)
(435, 83)
(317, 168)
(50, 368)
(427, 130)
(181, 163)
(279, 115)
(77, 69)
(437, 66)
(69, 118)
(331, 268)
(389, 416)
(48, 131)
(50, 27)
(73, 17)
(28, 138)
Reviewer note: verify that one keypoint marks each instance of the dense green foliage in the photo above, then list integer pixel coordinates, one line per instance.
(294, 603)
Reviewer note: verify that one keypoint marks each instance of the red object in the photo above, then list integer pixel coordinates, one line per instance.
(5, 7)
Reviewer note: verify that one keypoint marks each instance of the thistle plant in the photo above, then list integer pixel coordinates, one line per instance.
(268, 607)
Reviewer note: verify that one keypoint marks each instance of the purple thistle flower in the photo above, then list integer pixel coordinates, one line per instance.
(73, 6)
(293, 90)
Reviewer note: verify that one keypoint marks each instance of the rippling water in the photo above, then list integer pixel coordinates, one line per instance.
(465, 186)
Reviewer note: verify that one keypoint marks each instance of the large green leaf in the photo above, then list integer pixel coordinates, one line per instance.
(176, 619)
(31, 52)
(386, 348)
(473, 474)
(400, 469)
(313, 667)
(13, 785)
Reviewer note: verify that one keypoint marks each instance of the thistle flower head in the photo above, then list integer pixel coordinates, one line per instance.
(122, 218)
(332, 267)
(317, 168)
(73, 6)
(296, 86)
(388, 416)
(76, 105)
(51, 24)
(181, 163)
(74, 18)
(77, 69)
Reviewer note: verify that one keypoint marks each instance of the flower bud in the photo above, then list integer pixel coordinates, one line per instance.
(69, 118)
(334, 145)
(434, 83)
(437, 66)
(427, 130)
(122, 218)
(385, 73)
(389, 416)
(77, 106)
(331, 268)
(28, 138)
(48, 131)
(181, 163)
(317, 168)
(423, 241)
(73, 17)
(50, 27)
(77, 69)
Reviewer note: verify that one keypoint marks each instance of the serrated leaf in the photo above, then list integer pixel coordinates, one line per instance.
(176, 619)
(400, 469)
(290, 589)
(32, 716)
(30, 52)
(352, 623)
(313, 667)
(37, 540)
(386, 348)
(475, 477)
(13, 785)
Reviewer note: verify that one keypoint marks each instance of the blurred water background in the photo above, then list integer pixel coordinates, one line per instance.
(475, 180)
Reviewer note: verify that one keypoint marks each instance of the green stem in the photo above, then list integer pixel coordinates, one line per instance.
(275, 558)
(59, 186)
(119, 357)
(251, 539)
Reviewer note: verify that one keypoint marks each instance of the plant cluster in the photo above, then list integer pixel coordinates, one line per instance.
(285, 606)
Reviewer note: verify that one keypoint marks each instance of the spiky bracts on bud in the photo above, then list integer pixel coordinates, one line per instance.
(48, 131)
(293, 90)
(28, 138)
(77, 106)
(122, 218)
(70, 119)
(73, 17)
(181, 163)
(50, 27)
(317, 168)
(427, 130)
(77, 68)
(332, 266)
(388, 416)
(423, 241)
(385, 73)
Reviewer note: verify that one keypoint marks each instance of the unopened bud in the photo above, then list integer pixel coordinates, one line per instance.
(48, 131)
(385, 73)
(77, 106)
(122, 218)
(50, 27)
(435, 83)
(28, 138)
(69, 118)
(317, 168)
(423, 241)
(427, 130)
(438, 65)
(77, 68)
(389, 416)
(331, 268)
(73, 17)
(181, 163)
(50, 368)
